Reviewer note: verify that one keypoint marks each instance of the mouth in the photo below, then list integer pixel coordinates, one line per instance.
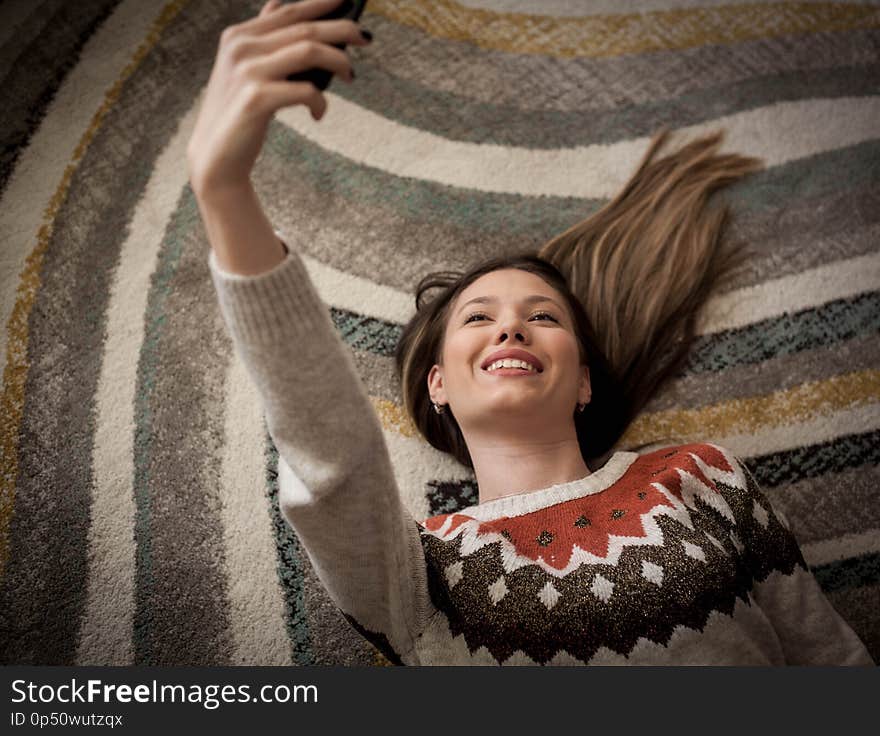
(511, 367)
(512, 362)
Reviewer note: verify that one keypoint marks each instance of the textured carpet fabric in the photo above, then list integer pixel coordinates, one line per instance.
(139, 521)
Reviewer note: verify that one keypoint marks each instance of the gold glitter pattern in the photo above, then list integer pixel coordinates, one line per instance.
(805, 402)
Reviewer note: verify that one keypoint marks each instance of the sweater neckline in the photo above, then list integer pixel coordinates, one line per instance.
(528, 501)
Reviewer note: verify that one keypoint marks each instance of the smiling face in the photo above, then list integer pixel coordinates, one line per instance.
(513, 316)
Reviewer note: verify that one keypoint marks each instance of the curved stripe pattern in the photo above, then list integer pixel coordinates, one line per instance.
(393, 148)
(14, 348)
(453, 115)
(618, 34)
(569, 9)
(158, 498)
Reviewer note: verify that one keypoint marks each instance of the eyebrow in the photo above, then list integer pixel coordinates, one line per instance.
(533, 299)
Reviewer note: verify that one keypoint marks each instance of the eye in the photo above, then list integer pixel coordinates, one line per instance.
(544, 315)
(475, 316)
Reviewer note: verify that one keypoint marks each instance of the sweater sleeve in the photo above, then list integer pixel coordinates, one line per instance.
(810, 631)
(336, 484)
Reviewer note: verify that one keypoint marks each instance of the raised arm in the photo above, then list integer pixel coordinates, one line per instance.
(337, 488)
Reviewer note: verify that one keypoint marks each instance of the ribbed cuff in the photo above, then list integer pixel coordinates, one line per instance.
(268, 307)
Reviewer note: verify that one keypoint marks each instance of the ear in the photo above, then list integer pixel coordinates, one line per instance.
(436, 389)
(585, 390)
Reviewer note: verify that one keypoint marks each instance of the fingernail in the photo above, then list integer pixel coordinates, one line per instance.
(367, 36)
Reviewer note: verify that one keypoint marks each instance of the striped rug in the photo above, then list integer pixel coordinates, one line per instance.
(138, 496)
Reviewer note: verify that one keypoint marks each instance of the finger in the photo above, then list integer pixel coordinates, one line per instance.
(301, 56)
(329, 32)
(290, 13)
(275, 95)
(269, 7)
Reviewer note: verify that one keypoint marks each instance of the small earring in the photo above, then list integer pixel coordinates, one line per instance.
(581, 407)
(439, 408)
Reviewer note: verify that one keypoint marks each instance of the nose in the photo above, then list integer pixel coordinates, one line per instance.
(511, 329)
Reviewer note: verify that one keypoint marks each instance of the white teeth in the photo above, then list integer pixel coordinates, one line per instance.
(511, 363)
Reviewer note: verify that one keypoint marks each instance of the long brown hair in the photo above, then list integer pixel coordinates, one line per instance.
(634, 274)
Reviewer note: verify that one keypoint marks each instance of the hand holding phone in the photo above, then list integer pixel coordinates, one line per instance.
(348, 9)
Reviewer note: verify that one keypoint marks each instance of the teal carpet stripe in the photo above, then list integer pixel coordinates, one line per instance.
(456, 117)
(290, 562)
(812, 461)
(853, 572)
(809, 329)
(366, 333)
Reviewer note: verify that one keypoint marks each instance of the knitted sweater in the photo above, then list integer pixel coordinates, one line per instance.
(670, 557)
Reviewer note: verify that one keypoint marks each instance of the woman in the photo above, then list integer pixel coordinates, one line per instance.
(570, 556)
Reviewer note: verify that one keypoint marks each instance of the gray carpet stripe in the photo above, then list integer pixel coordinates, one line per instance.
(183, 598)
(455, 116)
(816, 512)
(19, 27)
(31, 84)
(415, 226)
(181, 605)
(838, 225)
(773, 373)
(522, 82)
(859, 607)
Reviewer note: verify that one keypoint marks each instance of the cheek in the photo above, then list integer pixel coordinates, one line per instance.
(459, 352)
(567, 349)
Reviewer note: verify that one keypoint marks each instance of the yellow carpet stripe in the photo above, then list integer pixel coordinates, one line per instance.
(393, 417)
(16, 367)
(802, 403)
(625, 33)
(807, 402)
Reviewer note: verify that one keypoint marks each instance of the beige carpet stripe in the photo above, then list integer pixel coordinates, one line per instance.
(806, 403)
(841, 548)
(256, 613)
(106, 639)
(578, 8)
(810, 288)
(347, 291)
(415, 463)
(32, 183)
(623, 33)
(372, 140)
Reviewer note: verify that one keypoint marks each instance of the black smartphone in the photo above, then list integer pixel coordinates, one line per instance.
(350, 9)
